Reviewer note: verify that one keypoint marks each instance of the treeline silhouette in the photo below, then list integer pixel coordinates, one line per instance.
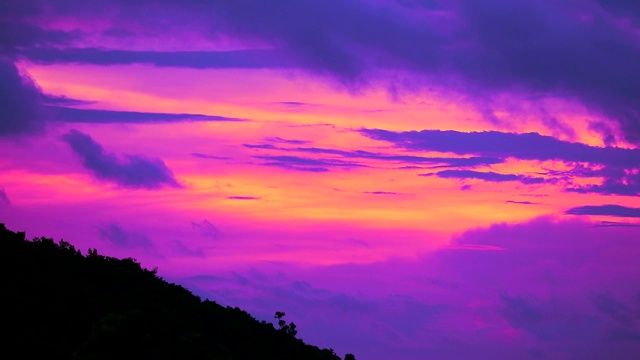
(60, 304)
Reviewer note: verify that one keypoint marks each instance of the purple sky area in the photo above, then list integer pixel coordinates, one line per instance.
(406, 179)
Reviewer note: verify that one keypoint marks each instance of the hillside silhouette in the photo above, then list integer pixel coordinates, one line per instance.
(61, 304)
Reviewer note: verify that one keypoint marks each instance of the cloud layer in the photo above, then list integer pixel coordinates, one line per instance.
(583, 50)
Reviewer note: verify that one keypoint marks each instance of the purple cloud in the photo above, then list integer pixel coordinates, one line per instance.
(486, 176)
(134, 171)
(528, 146)
(116, 235)
(15, 36)
(533, 47)
(381, 192)
(20, 102)
(243, 198)
(4, 198)
(521, 202)
(362, 154)
(606, 210)
(304, 163)
(207, 156)
(207, 229)
(72, 115)
(253, 59)
(277, 139)
(625, 183)
(621, 169)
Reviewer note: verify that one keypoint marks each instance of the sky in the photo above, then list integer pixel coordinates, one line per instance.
(405, 179)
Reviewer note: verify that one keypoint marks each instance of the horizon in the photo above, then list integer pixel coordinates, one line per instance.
(405, 179)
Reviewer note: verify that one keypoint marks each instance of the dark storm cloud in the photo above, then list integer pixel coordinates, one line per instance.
(20, 110)
(72, 115)
(606, 210)
(486, 176)
(133, 171)
(252, 59)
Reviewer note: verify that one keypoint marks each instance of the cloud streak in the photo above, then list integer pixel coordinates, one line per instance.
(409, 159)
(486, 176)
(307, 164)
(605, 210)
(73, 115)
(526, 146)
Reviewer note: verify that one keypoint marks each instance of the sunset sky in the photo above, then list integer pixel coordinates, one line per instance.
(405, 179)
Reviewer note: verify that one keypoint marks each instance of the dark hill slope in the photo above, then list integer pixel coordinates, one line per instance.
(59, 304)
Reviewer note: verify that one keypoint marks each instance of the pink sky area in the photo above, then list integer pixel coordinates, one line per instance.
(406, 180)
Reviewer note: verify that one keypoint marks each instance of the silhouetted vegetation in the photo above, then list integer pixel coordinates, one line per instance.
(59, 304)
(282, 325)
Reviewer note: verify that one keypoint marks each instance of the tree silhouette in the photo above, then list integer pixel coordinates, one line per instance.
(59, 304)
(282, 325)
(349, 357)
